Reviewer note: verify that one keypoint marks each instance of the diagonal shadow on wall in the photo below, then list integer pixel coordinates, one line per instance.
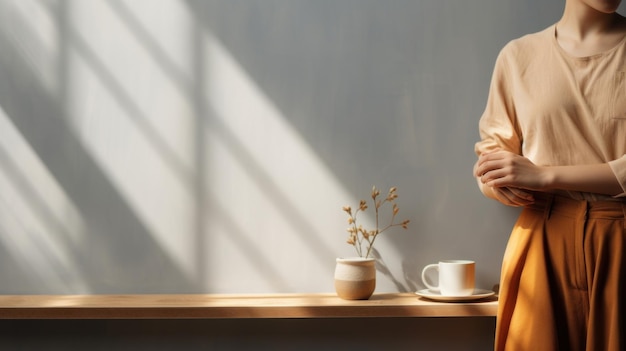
(107, 256)
(207, 121)
(300, 55)
(368, 85)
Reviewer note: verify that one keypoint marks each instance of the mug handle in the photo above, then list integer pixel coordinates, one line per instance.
(424, 271)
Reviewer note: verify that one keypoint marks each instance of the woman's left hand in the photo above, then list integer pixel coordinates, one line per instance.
(506, 169)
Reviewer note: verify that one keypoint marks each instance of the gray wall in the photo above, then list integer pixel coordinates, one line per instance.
(209, 146)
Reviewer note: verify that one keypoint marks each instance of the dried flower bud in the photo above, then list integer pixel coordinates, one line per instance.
(405, 224)
(350, 220)
(348, 209)
(392, 194)
(350, 241)
(395, 209)
(375, 192)
(362, 205)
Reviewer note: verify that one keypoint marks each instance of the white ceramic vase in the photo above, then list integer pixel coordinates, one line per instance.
(355, 278)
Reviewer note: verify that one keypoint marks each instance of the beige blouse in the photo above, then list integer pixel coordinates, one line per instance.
(557, 109)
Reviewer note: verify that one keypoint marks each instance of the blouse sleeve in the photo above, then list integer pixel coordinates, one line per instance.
(619, 169)
(498, 125)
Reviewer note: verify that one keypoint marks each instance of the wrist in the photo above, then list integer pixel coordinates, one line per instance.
(549, 178)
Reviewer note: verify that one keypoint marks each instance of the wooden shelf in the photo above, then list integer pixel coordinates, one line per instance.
(199, 306)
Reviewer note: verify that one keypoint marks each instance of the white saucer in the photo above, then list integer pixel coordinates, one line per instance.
(436, 295)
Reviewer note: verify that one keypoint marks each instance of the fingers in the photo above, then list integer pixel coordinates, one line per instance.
(488, 171)
(499, 170)
(513, 196)
(495, 178)
(521, 195)
(489, 162)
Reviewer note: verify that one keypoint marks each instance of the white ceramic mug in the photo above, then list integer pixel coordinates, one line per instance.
(456, 277)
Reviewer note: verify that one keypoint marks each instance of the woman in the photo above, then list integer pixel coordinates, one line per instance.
(553, 140)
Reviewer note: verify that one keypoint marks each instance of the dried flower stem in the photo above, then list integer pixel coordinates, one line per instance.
(358, 235)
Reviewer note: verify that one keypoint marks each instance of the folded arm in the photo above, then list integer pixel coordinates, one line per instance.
(500, 169)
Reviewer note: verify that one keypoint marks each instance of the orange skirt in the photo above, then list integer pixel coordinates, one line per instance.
(563, 282)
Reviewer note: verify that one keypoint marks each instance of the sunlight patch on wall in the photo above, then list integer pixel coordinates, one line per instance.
(134, 118)
(270, 180)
